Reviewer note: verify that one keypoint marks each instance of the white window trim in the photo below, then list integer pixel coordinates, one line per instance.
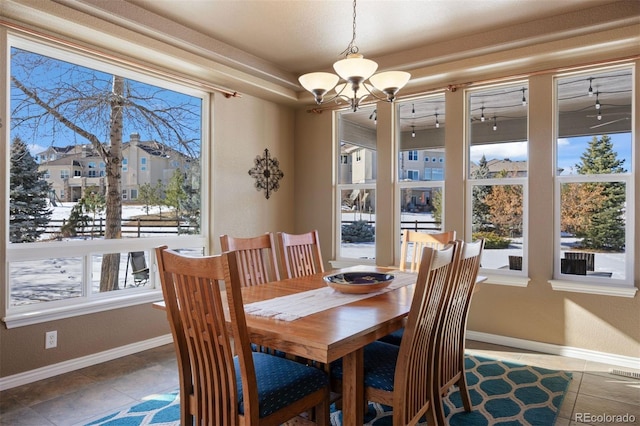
(338, 228)
(596, 285)
(89, 302)
(505, 276)
(398, 199)
(49, 311)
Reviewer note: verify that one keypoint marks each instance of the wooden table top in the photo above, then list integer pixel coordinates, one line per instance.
(328, 335)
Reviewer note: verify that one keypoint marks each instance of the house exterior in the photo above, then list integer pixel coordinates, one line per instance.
(72, 169)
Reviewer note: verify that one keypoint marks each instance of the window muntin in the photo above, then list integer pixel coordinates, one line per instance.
(356, 185)
(594, 177)
(420, 141)
(497, 175)
(42, 256)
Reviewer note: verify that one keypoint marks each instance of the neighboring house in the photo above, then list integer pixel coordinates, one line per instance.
(73, 168)
(511, 168)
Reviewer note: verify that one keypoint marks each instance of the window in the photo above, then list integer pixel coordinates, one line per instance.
(497, 175)
(356, 188)
(134, 194)
(594, 180)
(80, 262)
(143, 164)
(64, 174)
(92, 169)
(124, 194)
(420, 200)
(125, 164)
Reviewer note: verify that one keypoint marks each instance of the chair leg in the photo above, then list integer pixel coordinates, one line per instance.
(437, 410)
(321, 414)
(464, 393)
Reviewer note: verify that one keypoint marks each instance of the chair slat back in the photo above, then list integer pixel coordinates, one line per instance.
(414, 375)
(257, 256)
(413, 242)
(191, 290)
(452, 329)
(300, 253)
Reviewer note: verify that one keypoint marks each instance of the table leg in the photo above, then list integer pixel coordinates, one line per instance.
(353, 388)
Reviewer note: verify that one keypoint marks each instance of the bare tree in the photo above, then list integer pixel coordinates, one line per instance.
(54, 99)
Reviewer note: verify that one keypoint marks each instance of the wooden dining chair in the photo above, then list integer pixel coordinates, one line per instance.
(417, 240)
(403, 376)
(300, 253)
(451, 333)
(258, 264)
(216, 387)
(413, 242)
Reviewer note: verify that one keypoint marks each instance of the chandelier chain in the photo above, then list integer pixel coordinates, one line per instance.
(352, 48)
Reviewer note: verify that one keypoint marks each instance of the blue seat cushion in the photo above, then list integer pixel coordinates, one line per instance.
(280, 382)
(379, 365)
(394, 338)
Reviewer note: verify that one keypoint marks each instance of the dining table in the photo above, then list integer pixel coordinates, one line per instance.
(304, 317)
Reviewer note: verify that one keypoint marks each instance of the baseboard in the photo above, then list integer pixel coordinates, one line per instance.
(78, 363)
(548, 348)
(89, 360)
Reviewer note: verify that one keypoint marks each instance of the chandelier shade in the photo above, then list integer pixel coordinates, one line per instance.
(354, 66)
(318, 83)
(390, 82)
(356, 72)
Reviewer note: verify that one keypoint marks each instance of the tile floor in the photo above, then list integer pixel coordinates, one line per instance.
(80, 396)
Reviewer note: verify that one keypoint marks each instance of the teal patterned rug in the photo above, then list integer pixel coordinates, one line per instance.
(502, 393)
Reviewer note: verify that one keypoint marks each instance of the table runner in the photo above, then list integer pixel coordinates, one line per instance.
(298, 305)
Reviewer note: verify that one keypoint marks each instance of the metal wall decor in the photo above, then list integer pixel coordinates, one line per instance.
(267, 174)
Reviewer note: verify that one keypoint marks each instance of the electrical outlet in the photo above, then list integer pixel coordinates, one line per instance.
(51, 339)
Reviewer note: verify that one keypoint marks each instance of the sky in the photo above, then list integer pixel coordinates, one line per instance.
(569, 150)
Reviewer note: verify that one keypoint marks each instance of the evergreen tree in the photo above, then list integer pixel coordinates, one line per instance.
(190, 205)
(481, 215)
(175, 194)
(28, 196)
(150, 195)
(436, 203)
(607, 225)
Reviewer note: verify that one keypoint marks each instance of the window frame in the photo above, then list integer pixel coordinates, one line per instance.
(23, 315)
(514, 278)
(584, 283)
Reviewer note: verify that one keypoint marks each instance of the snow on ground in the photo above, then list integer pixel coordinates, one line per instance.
(61, 278)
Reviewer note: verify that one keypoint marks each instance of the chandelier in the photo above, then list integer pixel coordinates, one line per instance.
(355, 70)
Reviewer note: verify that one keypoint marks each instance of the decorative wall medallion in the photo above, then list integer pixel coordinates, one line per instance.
(267, 174)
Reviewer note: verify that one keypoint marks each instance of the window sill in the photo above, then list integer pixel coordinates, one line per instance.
(600, 289)
(21, 319)
(508, 280)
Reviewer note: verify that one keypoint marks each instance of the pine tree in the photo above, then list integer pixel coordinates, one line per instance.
(607, 225)
(481, 215)
(28, 196)
(174, 194)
